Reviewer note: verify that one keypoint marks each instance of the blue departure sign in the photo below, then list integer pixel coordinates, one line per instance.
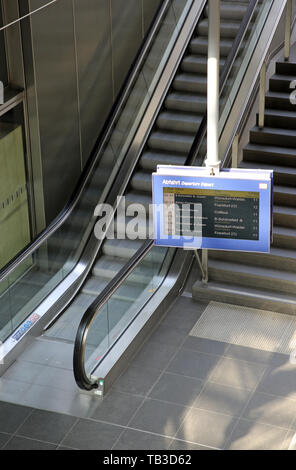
(229, 211)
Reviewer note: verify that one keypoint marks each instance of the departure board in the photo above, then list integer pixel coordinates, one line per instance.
(229, 211)
(226, 214)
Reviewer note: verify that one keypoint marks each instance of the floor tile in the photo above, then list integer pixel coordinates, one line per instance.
(92, 435)
(117, 408)
(222, 399)
(239, 374)
(47, 426)
(159, 417)
(184, 314)
(12, 417)
(205, 345)
(207, 428)
(249, 354)
(139, 440)
(193, 364)
(154, 355)
(22, 443)
(183, 445)
(280, 381)
(249, 435)
(175, 389)
(290, 441)
(270, 409)
(165, 335)
(4, 438)
(137, 381)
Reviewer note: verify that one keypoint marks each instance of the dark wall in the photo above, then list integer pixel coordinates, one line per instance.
(82, 50)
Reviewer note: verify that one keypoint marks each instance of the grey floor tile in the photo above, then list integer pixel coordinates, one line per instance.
(92, 435)
(183, 445)
(290, 441)
(205, 345)
(51, 353)
(12, 392)
(22, 443)
(249, 435)
(249, 354)
(117, 408)
(4, 438)
(238, 374)
(47, 426)
(65, 448)
(140, 440)
(280, 381)
(270, 409)
(37, 374)
(12, 417)
(222, 399)
(73, 403)
(193, 364)
(154, 355)
(137, 381)
(166, 335)
(184, 314)
(175, 389)
(207, 428)
(159, 417)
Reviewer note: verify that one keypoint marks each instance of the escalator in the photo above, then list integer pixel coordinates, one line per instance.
(70, 273)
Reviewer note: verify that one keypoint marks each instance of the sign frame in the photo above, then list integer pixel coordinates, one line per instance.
(235, 180)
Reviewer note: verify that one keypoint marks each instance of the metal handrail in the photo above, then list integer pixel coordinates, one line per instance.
(80, 375)
(94, 157)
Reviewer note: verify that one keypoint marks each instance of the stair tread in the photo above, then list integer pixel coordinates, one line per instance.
(288, 78)
(252, 270)
(172, 115)
(275, 131)
(287, 210)
(265, 166)
(289, 190)
(284, 231)
(177, 95)
(250, 292)
(280, 112)
(275, 251)
(191, 77)
(166, 135)
(271, 149)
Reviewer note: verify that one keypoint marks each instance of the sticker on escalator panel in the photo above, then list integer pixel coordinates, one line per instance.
(25, 327)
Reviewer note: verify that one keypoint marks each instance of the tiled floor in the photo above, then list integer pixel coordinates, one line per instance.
(179, 392)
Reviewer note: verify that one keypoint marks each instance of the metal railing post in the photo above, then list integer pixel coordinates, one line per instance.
(288, 29)
(235, 151)
(262, 93)
(205, 266)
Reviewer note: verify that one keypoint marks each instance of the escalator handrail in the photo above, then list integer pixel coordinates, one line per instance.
(93, 159)
(80, 342)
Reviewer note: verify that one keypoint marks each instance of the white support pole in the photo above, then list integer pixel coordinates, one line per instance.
(212, 161)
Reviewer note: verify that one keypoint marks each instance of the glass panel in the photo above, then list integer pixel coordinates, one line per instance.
(126, 303)
(57, 148)
(244, 56)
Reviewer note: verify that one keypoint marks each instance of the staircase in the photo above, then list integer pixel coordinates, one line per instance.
(169, 143)
(265, 281)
